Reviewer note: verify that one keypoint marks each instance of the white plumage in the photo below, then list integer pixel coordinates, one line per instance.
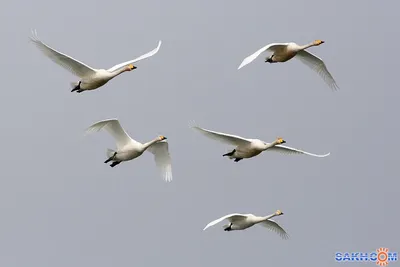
(91, 78)
(283, 52)
(248, 148)
(239, 221)
(128, 148)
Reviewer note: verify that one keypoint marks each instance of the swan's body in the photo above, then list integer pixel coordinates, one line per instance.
(239, 221)
(248, 148)
(90, 78)
(128, 149)
(282, 52)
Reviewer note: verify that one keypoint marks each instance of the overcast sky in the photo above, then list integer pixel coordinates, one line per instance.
(61, 206)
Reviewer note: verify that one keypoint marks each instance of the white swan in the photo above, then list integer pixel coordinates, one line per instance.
(90, 78)
(239, 221)
(248, 148)
(282, 52)
(128, 149)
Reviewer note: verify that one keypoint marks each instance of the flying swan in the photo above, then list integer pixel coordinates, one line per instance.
(248, 148)
(282, 52)
(239, 221)
(90, 78)
(128, 149)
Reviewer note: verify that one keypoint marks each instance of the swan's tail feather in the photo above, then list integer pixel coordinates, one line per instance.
(110, 153)
(74, 84)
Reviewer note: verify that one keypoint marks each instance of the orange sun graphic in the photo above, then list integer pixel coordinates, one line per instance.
(382, 257)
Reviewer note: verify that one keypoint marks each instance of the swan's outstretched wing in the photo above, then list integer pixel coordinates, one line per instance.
(231, 217)
(162, 159)
(72, 65)
(253, 56)
(316, 64)
(290, 150)
(149, 54)
(113, 127)
(222, 137)
(273, 226)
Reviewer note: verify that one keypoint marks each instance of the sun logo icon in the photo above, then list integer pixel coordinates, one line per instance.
(382, 257)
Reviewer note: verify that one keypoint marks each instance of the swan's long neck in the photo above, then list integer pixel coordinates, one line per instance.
(264, 218)
(117, 72)
(270, 145)
(302, 47)
(148, 144)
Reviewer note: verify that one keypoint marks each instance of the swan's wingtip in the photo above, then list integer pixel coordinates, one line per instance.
(89, 130)
(334, 88)
(34, 35)
(244, 63)
(192, 124)
(159, 45)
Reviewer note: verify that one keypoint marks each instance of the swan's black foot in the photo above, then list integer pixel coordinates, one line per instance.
(111, 158)
(230, 153)
(269, 60)
(77, 88)
(115, 163)
(238, 159)
(229, 228)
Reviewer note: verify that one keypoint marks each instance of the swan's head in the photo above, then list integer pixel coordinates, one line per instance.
(278, 212)
(318, 42)
(279, 141)
(130, 67)
(162, 137)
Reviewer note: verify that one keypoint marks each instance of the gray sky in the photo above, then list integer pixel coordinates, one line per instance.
(61, 206)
